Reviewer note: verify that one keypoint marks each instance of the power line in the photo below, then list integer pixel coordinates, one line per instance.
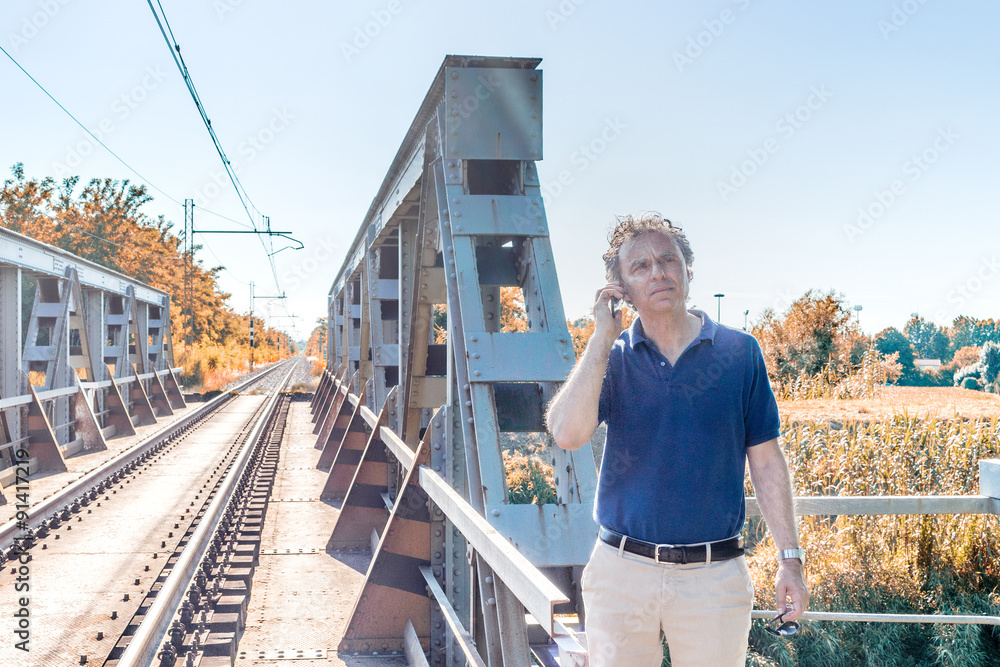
(175, 52)
(240, 192)
(105, 146)
(84, 128)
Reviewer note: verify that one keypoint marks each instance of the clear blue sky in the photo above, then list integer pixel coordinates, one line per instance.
(765, 129)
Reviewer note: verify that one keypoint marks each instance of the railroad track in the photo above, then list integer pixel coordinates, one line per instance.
(152, 553)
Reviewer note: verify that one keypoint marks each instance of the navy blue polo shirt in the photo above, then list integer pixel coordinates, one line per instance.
(675, 455)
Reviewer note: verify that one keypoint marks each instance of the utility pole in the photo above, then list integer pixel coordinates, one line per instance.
(251, 326)
(188, 274)
(252, 297)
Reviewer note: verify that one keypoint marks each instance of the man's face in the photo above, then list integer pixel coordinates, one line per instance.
(654, 274)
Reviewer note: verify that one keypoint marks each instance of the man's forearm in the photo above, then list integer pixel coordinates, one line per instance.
(772, 484)
(572, 414)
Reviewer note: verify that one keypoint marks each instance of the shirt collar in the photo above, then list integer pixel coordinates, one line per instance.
(636, 335)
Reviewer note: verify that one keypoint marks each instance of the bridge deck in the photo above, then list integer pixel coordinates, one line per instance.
(45, 483)
(302, 600)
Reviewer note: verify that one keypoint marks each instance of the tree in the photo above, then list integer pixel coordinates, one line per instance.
(891, 340)
(989, 363)
(317, 339)
(815, 332)
(23, 203)
(513, 317)
(966, 356)
(929, 340)
(970, 331)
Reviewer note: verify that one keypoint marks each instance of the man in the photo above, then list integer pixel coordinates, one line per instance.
(687, 404)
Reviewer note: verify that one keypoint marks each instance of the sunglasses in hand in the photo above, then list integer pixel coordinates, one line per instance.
(779, 629)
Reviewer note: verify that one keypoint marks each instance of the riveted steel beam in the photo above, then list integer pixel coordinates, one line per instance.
(415, 314)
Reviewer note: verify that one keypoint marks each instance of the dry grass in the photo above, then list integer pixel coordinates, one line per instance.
(940, 402)
(889, 564)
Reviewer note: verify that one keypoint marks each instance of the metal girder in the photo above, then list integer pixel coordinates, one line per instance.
(41, 258)
(77, 307)
(493, 113)
(458, 217)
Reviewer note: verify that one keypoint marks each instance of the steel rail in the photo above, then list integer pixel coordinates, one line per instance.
(146, 641)
(39, 512)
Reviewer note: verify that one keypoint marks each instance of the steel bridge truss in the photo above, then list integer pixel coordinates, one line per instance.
(92, 359)
(424, 390)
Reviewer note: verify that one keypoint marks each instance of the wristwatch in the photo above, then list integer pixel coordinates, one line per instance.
(786, 554)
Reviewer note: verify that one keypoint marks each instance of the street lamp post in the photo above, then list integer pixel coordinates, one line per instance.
(718, 315)
(857, 309)
(746, 313)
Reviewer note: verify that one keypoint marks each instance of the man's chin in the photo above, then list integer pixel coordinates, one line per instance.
(664, 306)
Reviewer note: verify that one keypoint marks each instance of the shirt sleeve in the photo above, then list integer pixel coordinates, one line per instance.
(761, 421)
(607, 394)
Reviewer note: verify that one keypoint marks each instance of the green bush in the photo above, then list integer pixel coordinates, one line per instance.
(971, 371)
(970, 383)
(989, 361)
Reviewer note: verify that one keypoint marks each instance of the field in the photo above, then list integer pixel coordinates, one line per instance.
(941, 402)
(908, 440)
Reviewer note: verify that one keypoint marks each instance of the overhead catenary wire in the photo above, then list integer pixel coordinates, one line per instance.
(175, 51)
(107, 148)
(145, 180)
(84, 128)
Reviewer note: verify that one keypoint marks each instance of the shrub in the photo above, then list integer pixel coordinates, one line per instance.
(529, 479)
(970, 383)
(989, 361)
(974, 371)
(874, 371)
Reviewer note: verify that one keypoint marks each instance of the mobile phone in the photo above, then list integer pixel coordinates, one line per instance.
(616, 305)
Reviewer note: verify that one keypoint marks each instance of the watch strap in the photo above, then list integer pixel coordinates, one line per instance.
(786, 554)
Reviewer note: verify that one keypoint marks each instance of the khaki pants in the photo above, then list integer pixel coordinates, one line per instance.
(631, 602)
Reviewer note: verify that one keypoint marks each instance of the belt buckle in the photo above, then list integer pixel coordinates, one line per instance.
(656, 551)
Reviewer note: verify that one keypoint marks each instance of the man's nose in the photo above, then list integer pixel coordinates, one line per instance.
(657, 270)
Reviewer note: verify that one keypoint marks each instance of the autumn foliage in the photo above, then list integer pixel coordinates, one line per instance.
(104, 222)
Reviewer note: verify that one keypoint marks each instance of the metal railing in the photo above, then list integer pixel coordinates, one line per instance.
(54, 441)
(989, 476)
(39, 512)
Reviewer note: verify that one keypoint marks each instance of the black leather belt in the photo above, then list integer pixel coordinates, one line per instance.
(667, 553)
